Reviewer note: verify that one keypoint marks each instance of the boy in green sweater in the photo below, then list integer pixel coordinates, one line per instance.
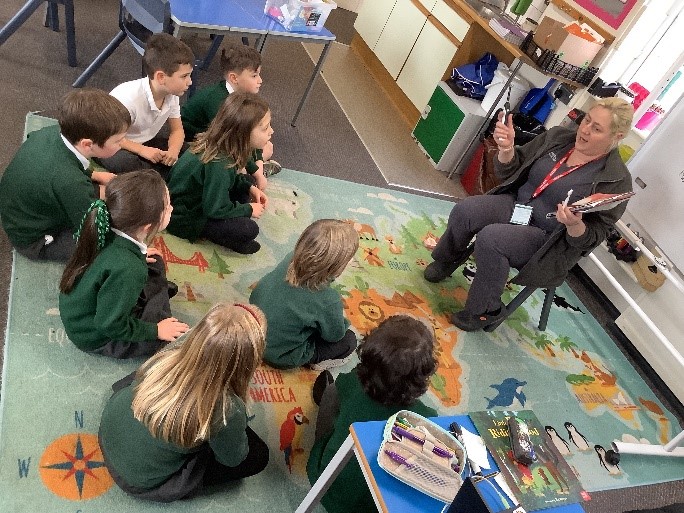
(48, 186)
(396, 361)
(241, 68)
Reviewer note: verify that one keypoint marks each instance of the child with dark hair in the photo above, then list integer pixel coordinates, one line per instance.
(241, 69)
(111, 303)
(211, 198)
(48, 186)
(396, 361)
(154, 101)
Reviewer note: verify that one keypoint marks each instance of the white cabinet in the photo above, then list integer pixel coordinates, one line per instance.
(450, 19)
(399, 35)
(664, 308)
(372, 18)
(425, 66)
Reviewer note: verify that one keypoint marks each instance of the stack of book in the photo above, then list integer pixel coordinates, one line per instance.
(508, 30)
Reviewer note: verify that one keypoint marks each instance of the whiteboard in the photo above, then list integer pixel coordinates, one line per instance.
(659, 164)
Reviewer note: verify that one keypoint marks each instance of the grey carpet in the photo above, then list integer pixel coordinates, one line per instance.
(35, 76)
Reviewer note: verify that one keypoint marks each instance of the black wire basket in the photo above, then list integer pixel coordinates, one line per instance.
(548, 60)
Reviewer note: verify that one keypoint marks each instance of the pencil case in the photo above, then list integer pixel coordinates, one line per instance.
(423, 455)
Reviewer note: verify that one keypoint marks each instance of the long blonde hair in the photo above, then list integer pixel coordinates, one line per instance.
(180, 389)
(322, 252)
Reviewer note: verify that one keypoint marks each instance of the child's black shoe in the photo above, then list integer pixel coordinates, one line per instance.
(324, 379)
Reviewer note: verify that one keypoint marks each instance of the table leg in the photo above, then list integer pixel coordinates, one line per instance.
(316, 70)
(336, 465)
(95, 65)
(70, 32)
(19, 19)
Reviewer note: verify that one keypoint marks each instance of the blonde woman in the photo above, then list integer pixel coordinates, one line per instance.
(544, 176)
(179, 422)
(297, 298)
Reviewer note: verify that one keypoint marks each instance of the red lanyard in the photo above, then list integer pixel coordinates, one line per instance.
(551, 177)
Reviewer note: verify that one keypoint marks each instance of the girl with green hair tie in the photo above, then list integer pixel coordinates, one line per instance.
(114, 295)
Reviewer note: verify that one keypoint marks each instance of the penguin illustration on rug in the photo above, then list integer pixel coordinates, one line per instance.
(557, 440)
(612, 468)
(288, 429)
(577, 438)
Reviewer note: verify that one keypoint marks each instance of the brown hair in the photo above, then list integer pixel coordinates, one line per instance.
(133, 200)
(92, 114)
(229, 134)
(166, 53)
(237, 58)
(396, 361)
(321, 254)
(181, 388)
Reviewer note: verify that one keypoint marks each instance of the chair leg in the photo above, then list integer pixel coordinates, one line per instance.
(511, 307)
(95, 65)
(18, 19)
(546, 308)
(70, 32)
(52, 16)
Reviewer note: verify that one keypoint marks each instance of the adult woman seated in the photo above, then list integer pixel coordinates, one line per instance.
(539, 175)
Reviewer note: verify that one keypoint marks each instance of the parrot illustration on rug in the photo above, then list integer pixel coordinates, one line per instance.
(289, 435)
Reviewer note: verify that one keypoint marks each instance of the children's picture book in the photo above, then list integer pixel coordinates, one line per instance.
(596, 202)
(548, 481)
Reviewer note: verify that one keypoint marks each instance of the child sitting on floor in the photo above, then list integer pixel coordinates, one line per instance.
(241, 68)
(153, 101)
(180, 421)
(210, 198)
(112, 303)
(297, 298)
(48, 186)
(396, 361)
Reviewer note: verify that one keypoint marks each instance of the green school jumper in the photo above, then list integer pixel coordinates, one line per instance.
(201, 191)
(296, 314)
(144, 461)
(201, 109)
(44, 190)
(349, 492)
(98, 308)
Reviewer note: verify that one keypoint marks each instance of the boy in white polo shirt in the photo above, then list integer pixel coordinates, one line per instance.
(153, 101)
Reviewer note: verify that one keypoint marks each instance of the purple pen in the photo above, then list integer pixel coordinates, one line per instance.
(406, 434)
(417, 469)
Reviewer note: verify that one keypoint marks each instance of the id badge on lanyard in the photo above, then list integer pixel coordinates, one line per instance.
(521, 214)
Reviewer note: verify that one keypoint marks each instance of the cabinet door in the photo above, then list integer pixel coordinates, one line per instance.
(438, 124)
(425, 66)
(372, 18)
(399, 35)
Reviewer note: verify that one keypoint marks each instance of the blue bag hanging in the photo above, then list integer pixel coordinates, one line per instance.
(538, 103)
(470, 79)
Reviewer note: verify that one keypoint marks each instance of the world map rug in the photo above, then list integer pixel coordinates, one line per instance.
(572, 376)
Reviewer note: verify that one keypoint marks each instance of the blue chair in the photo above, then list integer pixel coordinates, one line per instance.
(51, 20)
(138, 20)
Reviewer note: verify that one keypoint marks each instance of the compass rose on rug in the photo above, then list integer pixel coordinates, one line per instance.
(72, 467)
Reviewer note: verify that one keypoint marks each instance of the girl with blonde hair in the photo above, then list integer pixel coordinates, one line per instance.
(297, 297)
(114, 297)
(179, 422)
(212, 199)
